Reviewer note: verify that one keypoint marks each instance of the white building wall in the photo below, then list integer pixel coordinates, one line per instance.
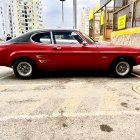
(4, 19)
(14, 17)
(84, 22)
(37, 14)
(26, 15)
(20, 16)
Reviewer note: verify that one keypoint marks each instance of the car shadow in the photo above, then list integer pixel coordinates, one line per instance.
(69, 74)
(77, 74)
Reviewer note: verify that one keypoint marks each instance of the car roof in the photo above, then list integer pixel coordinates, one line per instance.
(26, 37)
(56, 30)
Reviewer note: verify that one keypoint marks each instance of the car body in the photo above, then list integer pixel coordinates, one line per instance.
(65, 50)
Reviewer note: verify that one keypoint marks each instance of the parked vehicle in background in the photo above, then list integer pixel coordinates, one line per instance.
(65, 50)
(8, 37)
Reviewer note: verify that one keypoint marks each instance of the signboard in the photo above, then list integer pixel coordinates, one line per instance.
(102, 20)
(103, 2)
(90, 16)
(122, 22)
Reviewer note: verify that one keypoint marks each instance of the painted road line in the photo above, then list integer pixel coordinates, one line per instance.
(109, 101)
(53, 84)
(135, 75)
(92, 114)
(98, 113)
(71, 104)
(136, 90)
(26, 87)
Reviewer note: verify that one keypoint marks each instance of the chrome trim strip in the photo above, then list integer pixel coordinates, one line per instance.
(52, 38)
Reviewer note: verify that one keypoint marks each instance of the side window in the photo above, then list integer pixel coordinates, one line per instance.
(67, 38)
(42, 38)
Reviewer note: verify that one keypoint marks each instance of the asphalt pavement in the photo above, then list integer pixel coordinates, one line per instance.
(69, 106)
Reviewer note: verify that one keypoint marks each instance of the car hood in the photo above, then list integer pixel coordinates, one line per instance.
(117, 48)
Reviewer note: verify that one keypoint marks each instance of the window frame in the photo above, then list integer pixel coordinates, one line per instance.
(51, 39)
(53, 36)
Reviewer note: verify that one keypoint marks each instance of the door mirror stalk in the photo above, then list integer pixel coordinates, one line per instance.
(84, 43)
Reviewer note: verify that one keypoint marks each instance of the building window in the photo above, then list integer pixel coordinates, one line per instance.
(120, 3)
(136, 21)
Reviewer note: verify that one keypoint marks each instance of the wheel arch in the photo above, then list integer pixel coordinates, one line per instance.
(23, 58)
(129, 58)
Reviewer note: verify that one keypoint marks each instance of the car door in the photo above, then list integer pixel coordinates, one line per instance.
(70, 53)
(43, 49)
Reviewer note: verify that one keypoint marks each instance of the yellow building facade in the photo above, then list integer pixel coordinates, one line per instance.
(119, 22)
(100, 20)
(126, 25)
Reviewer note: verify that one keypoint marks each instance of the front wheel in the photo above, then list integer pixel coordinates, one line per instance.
(122, 68)
(24, 69)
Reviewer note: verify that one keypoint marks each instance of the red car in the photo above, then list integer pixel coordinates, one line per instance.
(65, 50)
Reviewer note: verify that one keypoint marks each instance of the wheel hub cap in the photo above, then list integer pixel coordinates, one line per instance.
(24, 69)
(122, 68)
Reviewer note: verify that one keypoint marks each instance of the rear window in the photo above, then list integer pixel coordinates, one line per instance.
(42, 38)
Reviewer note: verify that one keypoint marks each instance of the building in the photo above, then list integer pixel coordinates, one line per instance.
(126, 22)
(26, 15)
(4, 19)
(20, 16)
(119, 21)
(94, 27)
(84, 23)
(101, 20)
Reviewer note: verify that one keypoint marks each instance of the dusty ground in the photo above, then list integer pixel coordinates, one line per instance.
(69, 106)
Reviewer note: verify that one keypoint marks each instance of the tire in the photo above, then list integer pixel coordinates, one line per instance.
(122, 68)
(24, 68)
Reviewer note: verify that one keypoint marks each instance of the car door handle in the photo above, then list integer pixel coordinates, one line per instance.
(57, 47)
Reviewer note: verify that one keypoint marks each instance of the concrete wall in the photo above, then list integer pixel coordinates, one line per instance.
(131, 40)
(129, 37)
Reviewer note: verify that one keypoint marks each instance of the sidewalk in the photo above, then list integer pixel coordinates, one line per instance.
(5, 71)
(136, 69)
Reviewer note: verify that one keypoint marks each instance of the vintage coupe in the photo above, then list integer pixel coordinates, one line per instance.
(65, 50)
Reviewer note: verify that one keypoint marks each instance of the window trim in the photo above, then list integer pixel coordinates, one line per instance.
(51, 33)
(39, 42)
(65, 32)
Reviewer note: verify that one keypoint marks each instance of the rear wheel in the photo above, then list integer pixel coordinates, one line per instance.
(122, 68)
(24, 68)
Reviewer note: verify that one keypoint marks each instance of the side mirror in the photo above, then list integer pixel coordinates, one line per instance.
(84, 43)
(96, 41)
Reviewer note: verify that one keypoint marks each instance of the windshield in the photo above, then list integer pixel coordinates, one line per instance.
(88, 38)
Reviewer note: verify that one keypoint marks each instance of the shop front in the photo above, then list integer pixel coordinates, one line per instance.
(100, 20)
(126, 22)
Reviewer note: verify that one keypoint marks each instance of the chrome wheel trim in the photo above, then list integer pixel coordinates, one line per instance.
(122, 68)
(24, 69)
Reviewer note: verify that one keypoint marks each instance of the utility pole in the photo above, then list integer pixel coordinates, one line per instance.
(75, 14)
(62, 12)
